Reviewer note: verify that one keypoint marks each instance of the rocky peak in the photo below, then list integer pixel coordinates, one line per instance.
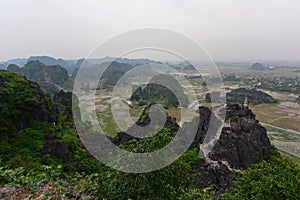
(243, 142)
(144, 121)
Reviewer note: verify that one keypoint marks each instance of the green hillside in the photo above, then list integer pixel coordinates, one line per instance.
(41, 156)
(33, 127)
(50, 78)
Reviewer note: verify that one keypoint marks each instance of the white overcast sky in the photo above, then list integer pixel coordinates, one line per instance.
(228, 29)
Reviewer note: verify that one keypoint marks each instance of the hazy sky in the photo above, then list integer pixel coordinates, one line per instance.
(228, 29)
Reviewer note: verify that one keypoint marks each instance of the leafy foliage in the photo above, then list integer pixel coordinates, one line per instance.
(254, 97)
(19, 98)
(33, 149)
(164, 184)
(47, 76)
(163, 89)
(276, 178)
(33, 128)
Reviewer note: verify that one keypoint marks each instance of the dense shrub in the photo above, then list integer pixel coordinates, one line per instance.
(276, 178)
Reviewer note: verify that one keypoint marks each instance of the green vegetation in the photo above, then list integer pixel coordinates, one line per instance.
(33, 127)
(109, 128)
(282, 84)
(19, 100)
(114, 72)
(37, 145)
(164, 184)
(155, 93)
(171, 182)
(273, 80)
(234, 119)
(48, 77)
(276, 178)
(163, 89)
(51, 145)
(254, 96)
(258, 66)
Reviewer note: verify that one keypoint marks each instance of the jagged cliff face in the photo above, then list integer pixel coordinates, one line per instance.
(243, 142)
(50, 78)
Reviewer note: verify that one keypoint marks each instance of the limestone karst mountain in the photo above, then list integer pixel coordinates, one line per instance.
(50, 78)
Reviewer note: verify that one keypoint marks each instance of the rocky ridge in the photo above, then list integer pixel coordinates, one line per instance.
(243, 142)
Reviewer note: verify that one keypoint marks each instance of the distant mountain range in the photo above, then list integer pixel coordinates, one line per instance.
(51, 78)
(55, 74)
(47, 60)
(2, 66)
(112, 71)
(71, 64)
(18, 61)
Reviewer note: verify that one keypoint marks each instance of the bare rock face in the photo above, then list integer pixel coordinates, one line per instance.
(241, 144)
(205, 115)
(218, 176)
(244, 143)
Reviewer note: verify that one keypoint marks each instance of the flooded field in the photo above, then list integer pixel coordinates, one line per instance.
(284, 139)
